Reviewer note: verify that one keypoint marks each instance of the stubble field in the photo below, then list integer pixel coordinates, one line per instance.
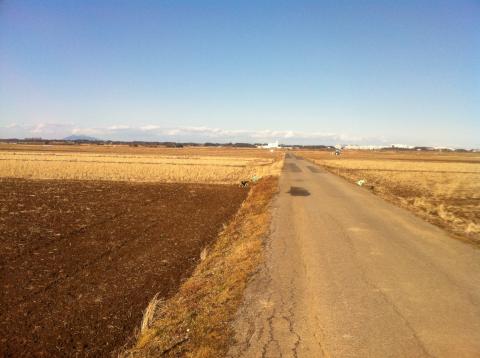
(123, 163)
(441, 187)
(88, 237)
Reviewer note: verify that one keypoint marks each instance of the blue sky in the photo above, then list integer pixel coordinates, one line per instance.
(306, 72)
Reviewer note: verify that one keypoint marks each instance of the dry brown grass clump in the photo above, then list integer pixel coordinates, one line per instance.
(142, 167)
(443, 188)
(196, 321)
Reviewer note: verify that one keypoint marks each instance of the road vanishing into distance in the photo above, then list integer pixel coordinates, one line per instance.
(350, 275)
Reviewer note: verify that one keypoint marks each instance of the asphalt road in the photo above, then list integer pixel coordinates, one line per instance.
(349, 275)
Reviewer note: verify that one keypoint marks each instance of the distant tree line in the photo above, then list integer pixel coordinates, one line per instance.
(42, 141)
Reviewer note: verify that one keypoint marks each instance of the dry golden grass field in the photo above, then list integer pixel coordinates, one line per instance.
(133, 150)
(139, 164)
(442, 187)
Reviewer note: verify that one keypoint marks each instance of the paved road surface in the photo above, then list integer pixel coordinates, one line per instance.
(349, 275)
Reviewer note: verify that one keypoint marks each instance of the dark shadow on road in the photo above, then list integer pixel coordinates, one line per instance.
(298, 191)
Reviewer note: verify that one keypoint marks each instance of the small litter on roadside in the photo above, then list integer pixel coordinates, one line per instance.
(361, 182)
(255, 178)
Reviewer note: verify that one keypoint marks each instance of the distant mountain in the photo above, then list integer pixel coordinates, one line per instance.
(80, 137)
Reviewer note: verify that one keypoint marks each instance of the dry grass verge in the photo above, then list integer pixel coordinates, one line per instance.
(196, 321)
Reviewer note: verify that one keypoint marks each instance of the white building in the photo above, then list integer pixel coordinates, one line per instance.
(364, 147)
(271, 145)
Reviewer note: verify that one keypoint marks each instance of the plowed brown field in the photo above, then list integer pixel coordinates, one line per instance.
(80, 260)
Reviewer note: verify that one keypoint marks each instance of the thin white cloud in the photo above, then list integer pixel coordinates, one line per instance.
(153, 132)
(39, 128)
(149, 127)
(119, 127)
(184, 133)
(11, 126)
(87, 131)
(48, 128)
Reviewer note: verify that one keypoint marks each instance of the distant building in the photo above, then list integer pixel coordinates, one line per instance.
(364, 147)
(402, 146)
(378, 147)
(271, 145)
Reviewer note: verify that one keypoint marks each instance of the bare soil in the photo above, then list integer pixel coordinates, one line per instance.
(79, 261)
